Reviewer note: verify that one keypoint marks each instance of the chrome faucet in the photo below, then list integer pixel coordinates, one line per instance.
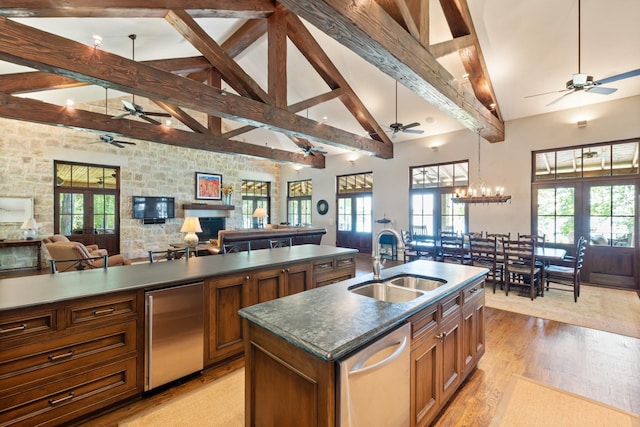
(377, 265)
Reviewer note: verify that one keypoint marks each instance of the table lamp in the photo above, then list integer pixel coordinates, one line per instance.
(260, 213)
(191, 226)
(30, 227)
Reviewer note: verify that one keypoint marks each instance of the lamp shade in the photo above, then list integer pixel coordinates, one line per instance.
(260, 213)
(29, 224)
(191, 225)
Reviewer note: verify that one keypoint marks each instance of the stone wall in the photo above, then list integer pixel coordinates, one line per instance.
(146, 169)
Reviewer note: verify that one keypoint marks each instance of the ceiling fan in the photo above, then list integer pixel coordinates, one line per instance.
(397, 127)
(109, 139)
(584, 82)
(309, 150)
(133, 109)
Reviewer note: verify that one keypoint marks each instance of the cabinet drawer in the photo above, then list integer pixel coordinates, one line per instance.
(450, 306)
(28, 324)
(347, 262)
(330, 279)
(322, 266)
(423, 321)
(64, 399)
(28, 364)
(471, 292)
(98, 309)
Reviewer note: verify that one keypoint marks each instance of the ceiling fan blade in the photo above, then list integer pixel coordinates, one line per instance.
(157, 114)
(125, 142)
(410, 125)
(121, 116)
(150, 120)
(561, 97)
(547, 93)
(413, 131)
(116, 144)
(129, 106)
(617, 77)
(601, 90)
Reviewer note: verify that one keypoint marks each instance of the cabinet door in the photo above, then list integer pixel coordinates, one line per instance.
(425, 393)
(472, 331)
(298, 279)
(450, 337)
(225, 296)
(268, 285)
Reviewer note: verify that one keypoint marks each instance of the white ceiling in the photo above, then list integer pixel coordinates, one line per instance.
(529, 46)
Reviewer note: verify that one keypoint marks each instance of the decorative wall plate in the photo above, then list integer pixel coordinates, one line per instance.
(322, 207)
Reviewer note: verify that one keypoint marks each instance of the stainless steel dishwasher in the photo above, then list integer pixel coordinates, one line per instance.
(375, 383)
(174, 334)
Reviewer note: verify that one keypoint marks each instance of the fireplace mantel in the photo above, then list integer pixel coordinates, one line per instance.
(208, 207)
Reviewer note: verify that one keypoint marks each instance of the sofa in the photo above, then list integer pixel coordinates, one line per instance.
(94, 250)
(261, 237)
(71, 256)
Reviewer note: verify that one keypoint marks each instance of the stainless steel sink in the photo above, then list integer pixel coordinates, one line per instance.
(388, 293)
(417, 282)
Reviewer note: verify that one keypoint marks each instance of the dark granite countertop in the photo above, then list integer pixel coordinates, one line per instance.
(331, 322)
(40, 289)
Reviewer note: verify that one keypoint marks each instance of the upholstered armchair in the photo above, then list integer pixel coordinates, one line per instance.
(94, 250)
(70, 256)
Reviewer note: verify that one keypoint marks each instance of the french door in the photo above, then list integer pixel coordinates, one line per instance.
(355, 222)
(86, 207)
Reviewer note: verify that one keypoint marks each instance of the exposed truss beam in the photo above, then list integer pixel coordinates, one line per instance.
(12, 107)
(244, 9)
(25, 45)
(366, 29)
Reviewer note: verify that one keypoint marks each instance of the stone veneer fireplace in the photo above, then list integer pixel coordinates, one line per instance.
(210, 227)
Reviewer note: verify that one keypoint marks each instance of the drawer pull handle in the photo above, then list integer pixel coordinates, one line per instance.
(473, 290)
(61, 356)
(14, 329)
(104, 311)
(323, 266)
(53, 402)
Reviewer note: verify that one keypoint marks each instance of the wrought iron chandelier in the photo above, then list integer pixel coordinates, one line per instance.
(480, 191)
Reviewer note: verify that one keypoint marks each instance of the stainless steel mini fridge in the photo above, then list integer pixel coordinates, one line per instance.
(174, 334)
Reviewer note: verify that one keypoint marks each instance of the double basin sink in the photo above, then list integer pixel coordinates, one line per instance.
(398, 289)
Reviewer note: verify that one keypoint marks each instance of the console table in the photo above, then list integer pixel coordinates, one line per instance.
(20, 243)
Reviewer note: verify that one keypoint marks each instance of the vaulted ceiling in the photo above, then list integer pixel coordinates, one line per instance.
(259, 78)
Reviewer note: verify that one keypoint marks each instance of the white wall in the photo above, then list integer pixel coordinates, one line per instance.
(506, 163)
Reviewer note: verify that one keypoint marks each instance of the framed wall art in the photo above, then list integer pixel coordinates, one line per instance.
(208, 186)
(16, 209)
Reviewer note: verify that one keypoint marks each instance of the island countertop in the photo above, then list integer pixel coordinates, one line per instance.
(50, 288)
(331, 322)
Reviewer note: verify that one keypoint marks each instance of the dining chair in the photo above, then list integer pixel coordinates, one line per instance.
(168, 254)
(567, 276)
(499, 236)
(520, 267)
(281, 242)
(228, 248)
(451, 248)
(409, 254)
(483, 252)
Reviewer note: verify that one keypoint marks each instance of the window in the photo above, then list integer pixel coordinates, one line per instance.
(299, 206)
(586, 190)
(432, 190)
(612, 217)
(255, 194)
(355, 202)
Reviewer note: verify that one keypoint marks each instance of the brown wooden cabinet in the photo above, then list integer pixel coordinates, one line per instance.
(60, 361)
(226, 295)
(333, 270)
(439, 348)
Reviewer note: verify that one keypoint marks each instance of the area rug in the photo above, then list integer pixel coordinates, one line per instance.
(217, 404)
(527, 403)
(609, 310)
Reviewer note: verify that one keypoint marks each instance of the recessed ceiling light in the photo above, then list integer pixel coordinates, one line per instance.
(70, 103)
(97, 40)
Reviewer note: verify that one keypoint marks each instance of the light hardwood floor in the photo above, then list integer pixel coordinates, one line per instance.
(595, 364)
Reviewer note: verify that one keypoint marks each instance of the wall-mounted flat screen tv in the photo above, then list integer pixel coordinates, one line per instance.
(153, 207)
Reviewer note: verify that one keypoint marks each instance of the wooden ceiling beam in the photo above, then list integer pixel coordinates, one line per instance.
(35, 81)
(277, 58)
(313, 52)
(25, 109)
(458, 17)
(242, 9)
(231, 72)
(367, 30)
(27, 46)
(244, 37)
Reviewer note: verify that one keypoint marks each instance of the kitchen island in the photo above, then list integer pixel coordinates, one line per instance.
(293, 345)
(74, 343)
